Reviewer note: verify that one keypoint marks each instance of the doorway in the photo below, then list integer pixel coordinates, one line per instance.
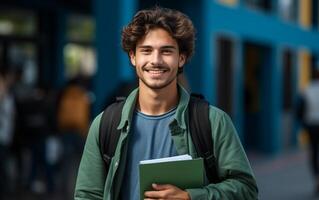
(288, 92)
(257, 94)
(225, 68)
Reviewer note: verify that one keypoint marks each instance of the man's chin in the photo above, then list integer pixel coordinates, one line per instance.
(157, 86)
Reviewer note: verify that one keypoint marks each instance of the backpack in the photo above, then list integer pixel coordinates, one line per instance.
(198, 110)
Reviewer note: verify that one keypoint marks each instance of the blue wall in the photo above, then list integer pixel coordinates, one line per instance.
(211, 20)
(244, 24)
(113, 64)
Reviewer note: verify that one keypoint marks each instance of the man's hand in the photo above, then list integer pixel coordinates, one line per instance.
(166, 192)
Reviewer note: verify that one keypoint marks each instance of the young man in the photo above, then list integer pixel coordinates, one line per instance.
(309, 114)
(154, 124)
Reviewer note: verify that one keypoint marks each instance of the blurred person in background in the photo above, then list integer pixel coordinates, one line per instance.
(73, 115)
(309, 114)
(73, 118)
(7, 115)
(20, 147)
(37, 124)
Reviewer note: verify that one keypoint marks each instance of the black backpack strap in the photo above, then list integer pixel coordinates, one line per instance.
(200, 129)
(108, 133)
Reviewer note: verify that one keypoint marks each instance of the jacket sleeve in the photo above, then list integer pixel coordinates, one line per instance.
(237, 179)
(91, 174)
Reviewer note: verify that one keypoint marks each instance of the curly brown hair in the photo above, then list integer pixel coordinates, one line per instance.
(174, 22)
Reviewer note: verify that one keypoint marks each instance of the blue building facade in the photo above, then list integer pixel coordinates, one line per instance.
(252, 58)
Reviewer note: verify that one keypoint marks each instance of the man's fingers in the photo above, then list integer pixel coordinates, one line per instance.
(159, 187)
(160, 191)
(153, 194)
(165, 191)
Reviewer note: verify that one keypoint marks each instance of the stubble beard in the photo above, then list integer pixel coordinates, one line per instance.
(160, 85)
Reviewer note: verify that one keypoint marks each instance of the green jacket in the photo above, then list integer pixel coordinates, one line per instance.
(233, 166)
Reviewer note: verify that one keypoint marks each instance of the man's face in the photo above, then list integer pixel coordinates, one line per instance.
(157, 59)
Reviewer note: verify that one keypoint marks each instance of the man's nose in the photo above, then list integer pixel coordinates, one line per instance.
(156, 58)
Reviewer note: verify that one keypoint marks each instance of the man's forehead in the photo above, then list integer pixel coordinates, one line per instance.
(157, 38)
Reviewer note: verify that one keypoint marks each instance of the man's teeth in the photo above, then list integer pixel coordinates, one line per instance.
(156, 71)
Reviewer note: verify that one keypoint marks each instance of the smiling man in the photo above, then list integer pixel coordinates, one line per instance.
(154, 123)
(157, 60)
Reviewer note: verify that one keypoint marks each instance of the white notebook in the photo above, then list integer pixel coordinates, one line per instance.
(167, 159)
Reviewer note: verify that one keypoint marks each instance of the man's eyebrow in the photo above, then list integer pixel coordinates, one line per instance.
(168, 47)
(144, 46)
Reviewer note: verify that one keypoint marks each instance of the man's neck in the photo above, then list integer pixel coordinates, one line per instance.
(159, 101)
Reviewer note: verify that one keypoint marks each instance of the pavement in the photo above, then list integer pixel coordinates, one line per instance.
(284, 177)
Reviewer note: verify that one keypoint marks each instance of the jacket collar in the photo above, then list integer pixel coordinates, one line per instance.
(129, 107)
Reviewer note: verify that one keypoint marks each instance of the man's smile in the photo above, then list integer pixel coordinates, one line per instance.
(156, 71)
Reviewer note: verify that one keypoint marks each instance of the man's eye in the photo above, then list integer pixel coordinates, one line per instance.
(146, 50)
(167, 51)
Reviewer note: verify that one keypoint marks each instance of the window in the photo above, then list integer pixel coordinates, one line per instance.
(287, 9)
(79, 59)
(315, 13)
(80, 28)
(18, 22)
(23, 57)
(18, 40)
(264, 5)
(79, 53)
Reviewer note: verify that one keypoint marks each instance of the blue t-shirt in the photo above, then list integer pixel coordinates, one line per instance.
(149, 138)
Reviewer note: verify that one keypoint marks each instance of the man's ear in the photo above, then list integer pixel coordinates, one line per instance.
(182, 60)
(132, 57)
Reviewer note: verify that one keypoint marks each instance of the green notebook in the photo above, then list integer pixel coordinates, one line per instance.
(181, 173)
